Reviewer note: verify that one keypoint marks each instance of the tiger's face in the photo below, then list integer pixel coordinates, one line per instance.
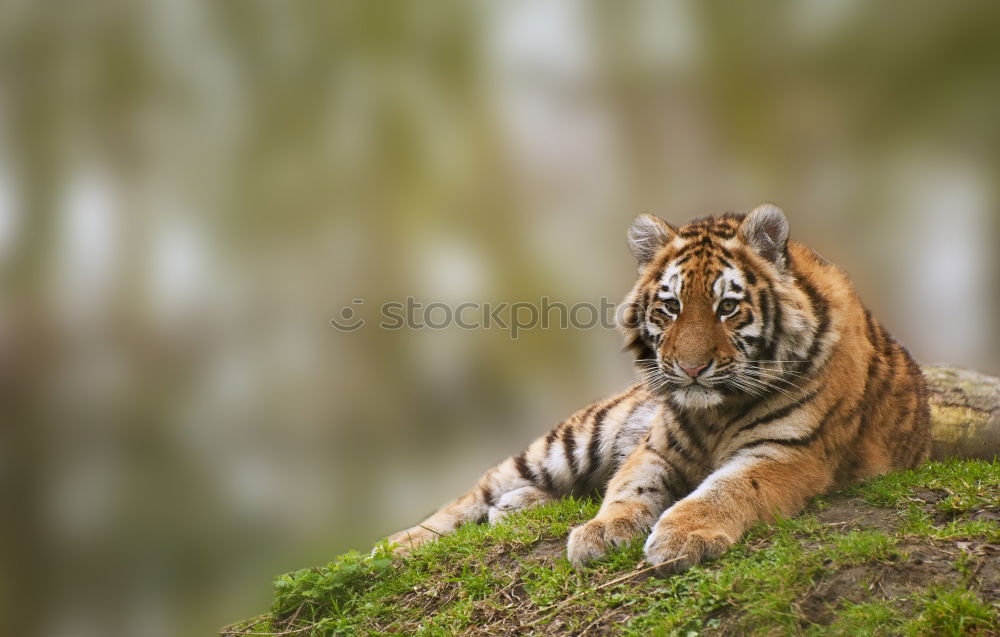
(705, 317)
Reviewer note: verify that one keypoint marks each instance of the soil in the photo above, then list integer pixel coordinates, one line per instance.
(855, 515)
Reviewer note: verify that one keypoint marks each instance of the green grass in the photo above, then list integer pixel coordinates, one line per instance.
(800, 576)
(950, 613)
(966, 486)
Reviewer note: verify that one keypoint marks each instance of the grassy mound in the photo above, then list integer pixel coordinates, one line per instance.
(912, 553)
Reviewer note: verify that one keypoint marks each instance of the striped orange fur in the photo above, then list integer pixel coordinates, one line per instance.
(763, 381)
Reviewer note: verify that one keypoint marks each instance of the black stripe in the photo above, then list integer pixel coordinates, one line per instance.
(918, 384)
(487, 495)
(746, 321)
(822, 309)
(550, 438)
(547, 482)
(638, 346)
(871, 330)
(885, 345)
(593, 449)
(689, 431)
(652, 296)
(889, 345)
(872, 397)
(778, 413)
(522, 468)
(787, 442)
(742, 347)
(846, 472)
(676, 445)
(680, 475)
(588, 412)
(633, 317)
(666, 486)
(791, 442)
(890, 373)
(864, 404)
(766, 315)
(776, 329)
(847, 469)
(569, 449)
(750, 276)
(618, 435)
(759, 300)
(670, 464)
(685, 254)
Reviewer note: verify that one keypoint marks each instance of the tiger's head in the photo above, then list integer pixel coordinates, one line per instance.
(713, 316)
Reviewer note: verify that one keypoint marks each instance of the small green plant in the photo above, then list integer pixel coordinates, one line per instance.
(964, 565)
(952, 613)
(873, 619)
(330, 589)
(863, 546)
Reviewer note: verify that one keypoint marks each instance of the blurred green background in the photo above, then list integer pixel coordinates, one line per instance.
(189, 191)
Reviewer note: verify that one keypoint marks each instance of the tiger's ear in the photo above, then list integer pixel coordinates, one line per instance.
(765, 230)
(647, 235)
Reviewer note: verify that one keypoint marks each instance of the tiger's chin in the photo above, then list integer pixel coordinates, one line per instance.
(696, 397)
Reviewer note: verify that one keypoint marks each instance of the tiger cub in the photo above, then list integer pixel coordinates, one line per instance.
(763, 381)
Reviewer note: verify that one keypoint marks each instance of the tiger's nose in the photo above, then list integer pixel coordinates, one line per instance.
(693, 371)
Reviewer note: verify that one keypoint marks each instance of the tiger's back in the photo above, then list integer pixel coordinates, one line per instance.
(763, 381)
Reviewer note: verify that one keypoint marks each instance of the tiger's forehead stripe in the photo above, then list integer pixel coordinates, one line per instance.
(671, 282)
(700, 261)
(729, 284)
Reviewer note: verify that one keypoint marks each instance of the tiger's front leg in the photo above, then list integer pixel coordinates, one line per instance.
(714, 516)
(646, 483)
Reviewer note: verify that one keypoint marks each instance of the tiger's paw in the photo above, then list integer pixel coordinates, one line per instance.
(676, 547)
(517, 500)
(405, 542)
(594, 539)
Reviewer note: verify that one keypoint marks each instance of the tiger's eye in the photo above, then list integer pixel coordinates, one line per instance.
(673, 306)
(727, 306)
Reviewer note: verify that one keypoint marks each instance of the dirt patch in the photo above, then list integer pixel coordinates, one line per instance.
(922, 564)
(928, 496)
(855, 515)
(984, 567)
(925, 564)
(547, 551)
(847, 584)
(986, 516)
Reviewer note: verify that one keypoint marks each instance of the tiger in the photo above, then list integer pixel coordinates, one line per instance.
(762, 381)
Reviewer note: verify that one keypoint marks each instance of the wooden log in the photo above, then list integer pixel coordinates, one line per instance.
(965, 413)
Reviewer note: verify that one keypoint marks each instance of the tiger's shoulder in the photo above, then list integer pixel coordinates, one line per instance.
(881, 388)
